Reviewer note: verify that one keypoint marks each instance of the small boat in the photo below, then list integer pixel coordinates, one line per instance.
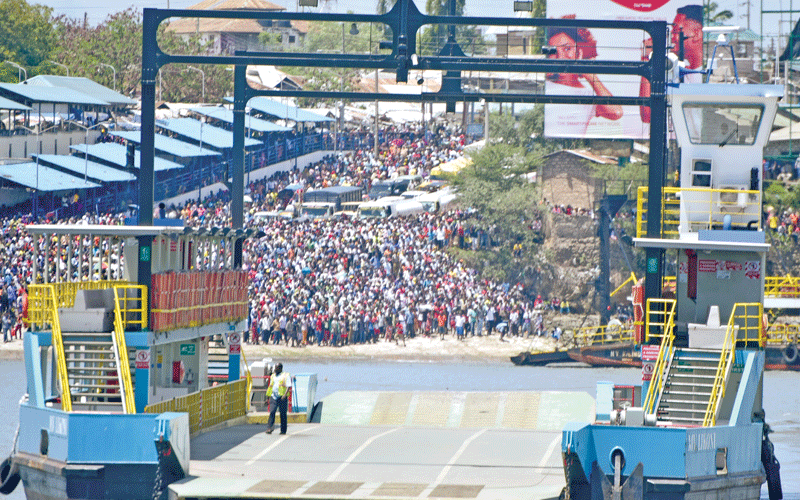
(614, 354)
(541, 358)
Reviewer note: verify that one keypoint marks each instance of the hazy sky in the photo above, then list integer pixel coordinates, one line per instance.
(97, 10)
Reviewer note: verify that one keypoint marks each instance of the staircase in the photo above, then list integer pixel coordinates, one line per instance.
(688, 387)
(93, 371)
(217, 359)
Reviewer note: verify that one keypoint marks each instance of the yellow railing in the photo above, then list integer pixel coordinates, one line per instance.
(781, 286)
(64, 297)
(782, 334)
(746, 317)
(122, 310)
(710, 206)
(43, 298)
(660, 315)
(604, 334)
(209, 407)
(249, 377)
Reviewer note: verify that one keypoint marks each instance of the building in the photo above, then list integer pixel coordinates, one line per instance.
(230, 35)
(567, 178)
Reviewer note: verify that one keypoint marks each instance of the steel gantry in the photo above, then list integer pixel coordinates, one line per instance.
(404, 21)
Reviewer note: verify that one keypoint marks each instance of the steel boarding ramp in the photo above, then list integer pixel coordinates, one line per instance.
(454, 459)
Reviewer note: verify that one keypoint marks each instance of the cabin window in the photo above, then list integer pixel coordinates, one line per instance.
(722, 124)
(701, 173)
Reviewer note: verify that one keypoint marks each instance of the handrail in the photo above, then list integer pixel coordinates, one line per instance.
(123, 362)
(709, 212)
(50, 315)
(782, 286)
(726, 358)
(665, 352)
(249, 377)
(64, 296)
(603, 334)
(632, 277)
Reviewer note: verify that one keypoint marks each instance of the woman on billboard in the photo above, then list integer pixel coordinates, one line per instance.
(576, 43)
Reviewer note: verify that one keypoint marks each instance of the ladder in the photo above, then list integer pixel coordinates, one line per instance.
(688, 386)
(93, 372)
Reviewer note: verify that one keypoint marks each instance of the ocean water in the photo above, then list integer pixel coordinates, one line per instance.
(781, 393)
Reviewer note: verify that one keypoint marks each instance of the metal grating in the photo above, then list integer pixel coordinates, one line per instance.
(481, 410)
(406, 490)
(456, 491)
(522, 410)
(274, 486)
(391, 408)
(333, 488)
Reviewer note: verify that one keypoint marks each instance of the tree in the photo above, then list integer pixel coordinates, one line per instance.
(495, 186)
(26, 37)
(712, 16)
(116, 42)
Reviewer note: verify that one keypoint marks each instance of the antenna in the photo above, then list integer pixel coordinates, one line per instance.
(722, 41)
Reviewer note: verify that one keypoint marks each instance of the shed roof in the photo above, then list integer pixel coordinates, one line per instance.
(42, 94)
(43, 178)
(83, 85)
(283, 111)
(203, 133)
(168, 145)
(226, 115)
(87, 168)
(9, 104)
(118, 155)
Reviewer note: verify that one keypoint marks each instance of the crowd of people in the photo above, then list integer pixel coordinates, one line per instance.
(329, 281)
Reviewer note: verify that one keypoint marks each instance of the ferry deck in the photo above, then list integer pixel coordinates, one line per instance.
(368, 445)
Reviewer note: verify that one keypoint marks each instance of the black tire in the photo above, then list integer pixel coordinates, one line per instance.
(8, 479)
(790, 354)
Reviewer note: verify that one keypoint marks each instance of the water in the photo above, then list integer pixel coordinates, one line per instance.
(781, 393)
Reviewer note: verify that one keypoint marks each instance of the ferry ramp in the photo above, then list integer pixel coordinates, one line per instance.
(379, 445)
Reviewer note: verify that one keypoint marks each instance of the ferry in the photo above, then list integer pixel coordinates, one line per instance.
(695, 428)
(114, 393)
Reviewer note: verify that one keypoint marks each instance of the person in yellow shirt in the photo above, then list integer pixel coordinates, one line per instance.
(278, 390)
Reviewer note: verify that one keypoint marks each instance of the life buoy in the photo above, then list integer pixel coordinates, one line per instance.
(790, 353)
(9, 476)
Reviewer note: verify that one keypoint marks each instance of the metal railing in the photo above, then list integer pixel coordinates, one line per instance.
(604, 334)
(210, 406)
(44, 300)
(709, 207)
(742, 317)
(64, 297)
(660, 314)
(782, 286)
(123, 316)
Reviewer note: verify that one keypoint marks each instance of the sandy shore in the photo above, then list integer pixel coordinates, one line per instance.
(419, 348)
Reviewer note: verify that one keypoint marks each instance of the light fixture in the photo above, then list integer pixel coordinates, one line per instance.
(420, 80)
(523, 6)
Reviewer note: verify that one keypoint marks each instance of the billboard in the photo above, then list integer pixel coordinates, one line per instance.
(612, 121)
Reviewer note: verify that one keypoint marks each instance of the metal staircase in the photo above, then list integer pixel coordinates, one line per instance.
(93, 371)
(92, 367)
(688, 386)
(218, 359)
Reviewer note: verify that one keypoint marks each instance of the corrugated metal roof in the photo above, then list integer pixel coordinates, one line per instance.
(91, 169)
(39, 93)
(203, 133)
(285, 111)
(118, 155)
(43, 178)
(168, 145)
(83, 85)
(226, 115)
(9, 104)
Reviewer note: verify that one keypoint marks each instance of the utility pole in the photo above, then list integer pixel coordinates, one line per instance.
(747, 3)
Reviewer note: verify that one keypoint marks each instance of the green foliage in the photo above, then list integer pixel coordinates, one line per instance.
(508, 204)
(26, 38)
(780, 196)
(620, 179)
(712, 16)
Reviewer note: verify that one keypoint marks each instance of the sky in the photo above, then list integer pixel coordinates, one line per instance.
(97, 10)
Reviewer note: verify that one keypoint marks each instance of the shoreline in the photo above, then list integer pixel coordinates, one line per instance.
(419, 348)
